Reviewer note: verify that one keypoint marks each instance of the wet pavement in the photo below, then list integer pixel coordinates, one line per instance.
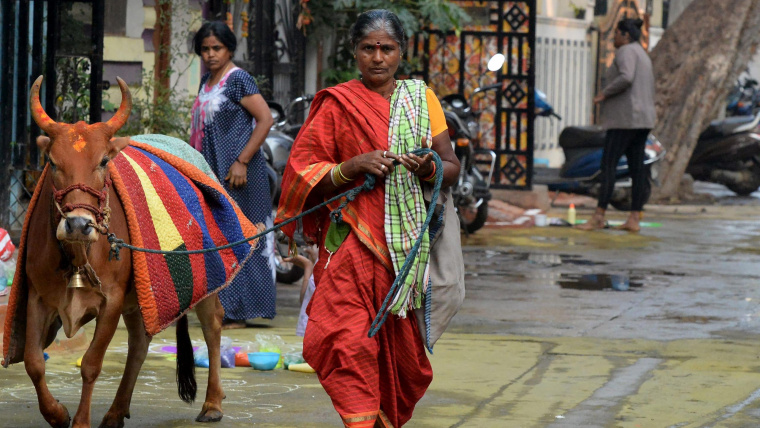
(560, 328)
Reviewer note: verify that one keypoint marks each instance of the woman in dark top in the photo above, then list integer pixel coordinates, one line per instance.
(224, 131)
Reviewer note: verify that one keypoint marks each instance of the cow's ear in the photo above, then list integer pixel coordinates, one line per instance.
(43, 142)
(116, 145)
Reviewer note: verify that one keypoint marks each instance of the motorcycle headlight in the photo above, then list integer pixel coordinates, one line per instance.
(473, 127)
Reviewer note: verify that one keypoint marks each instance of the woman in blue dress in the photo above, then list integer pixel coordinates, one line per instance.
(224, 130)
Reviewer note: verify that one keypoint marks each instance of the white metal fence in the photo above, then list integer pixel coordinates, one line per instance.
(564, 72)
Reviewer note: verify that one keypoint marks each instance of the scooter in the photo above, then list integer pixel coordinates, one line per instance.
(276, 149)
(580, 174)
(728, 153)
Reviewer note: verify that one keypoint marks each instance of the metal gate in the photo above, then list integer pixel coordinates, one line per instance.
(276, 48)
(62, 40)
(452, 63)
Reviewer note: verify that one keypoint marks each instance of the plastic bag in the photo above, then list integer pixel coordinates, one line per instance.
(201, 357)
(241, 357)
(271, 343)
(292, 358)
(3, 280)
(227, 353)
(10, 270)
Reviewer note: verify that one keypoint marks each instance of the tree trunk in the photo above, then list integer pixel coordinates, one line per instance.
(696, 62)
(162, 39)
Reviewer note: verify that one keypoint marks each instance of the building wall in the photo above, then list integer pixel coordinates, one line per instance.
(130, 53)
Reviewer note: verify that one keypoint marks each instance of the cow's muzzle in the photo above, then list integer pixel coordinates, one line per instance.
(77, 228)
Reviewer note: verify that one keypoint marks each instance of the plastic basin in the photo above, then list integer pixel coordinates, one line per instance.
(263, 360)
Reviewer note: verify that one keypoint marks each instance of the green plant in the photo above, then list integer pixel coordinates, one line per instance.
(332, 19)
(72, 86)
(578, 11)
(169, 117)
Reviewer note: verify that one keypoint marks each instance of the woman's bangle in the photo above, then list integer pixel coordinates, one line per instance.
(239, 161)
(337, 177)
(431, 177)
(343, 177)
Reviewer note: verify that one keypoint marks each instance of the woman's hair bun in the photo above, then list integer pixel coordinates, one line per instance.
(638, 22)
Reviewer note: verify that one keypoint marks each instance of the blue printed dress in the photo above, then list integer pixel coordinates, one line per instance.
(220, 130)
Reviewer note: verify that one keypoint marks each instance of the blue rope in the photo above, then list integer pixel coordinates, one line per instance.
(382, 314)
(117, 244)
(336, 216)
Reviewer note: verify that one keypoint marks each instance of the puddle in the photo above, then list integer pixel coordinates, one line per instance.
(598, 282)
(690, 319)
(546, 259)
(745, 250)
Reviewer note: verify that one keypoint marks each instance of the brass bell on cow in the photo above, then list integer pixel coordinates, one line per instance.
(77, 280)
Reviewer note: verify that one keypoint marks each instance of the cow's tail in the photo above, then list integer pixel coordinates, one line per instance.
(186, 385)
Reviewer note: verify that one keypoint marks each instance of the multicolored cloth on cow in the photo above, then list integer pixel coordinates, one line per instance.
(180, 208)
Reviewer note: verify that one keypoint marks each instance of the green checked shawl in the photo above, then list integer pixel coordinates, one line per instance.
(405, 210)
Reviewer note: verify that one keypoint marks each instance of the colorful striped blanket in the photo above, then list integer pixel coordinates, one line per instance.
(180, 208)
(172, 201)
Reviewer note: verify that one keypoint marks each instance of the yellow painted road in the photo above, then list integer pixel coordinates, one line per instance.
(541, 341)
(480, 381)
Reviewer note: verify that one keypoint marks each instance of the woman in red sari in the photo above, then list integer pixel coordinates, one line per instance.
(372, 381)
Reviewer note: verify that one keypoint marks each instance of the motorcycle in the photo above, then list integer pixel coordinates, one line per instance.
(276, 150)
(280, 139)
(471, 192)
(728, 153)
(744, 99)
(580, 174)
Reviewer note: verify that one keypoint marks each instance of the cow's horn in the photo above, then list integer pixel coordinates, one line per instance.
(38, 112)
(120, 118)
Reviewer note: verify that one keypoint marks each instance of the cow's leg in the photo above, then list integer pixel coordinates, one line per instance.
(38, 320)
(92, 362)
(210, 314)
(138, 350)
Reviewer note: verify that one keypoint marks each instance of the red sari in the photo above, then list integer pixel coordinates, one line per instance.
(369, 380)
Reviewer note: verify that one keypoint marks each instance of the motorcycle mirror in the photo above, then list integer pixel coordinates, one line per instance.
(496, 62)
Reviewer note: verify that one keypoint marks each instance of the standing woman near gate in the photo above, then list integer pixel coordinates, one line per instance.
(222, 129)
(356, 128)
(628, 114)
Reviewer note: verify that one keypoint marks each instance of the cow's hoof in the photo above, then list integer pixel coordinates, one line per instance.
(111, 420)
(61, 422)
(209, 415)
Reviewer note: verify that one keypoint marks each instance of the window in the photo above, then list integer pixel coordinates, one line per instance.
(116, 17)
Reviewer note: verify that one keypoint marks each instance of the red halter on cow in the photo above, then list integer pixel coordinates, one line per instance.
(71, 281)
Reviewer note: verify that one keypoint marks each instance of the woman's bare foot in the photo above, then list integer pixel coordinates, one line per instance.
(229, 324)
(594, 223)
(632, 224)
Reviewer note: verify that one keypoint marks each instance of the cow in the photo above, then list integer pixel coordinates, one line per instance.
(64, 235)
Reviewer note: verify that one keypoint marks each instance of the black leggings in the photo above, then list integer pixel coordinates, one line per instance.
(630, 142)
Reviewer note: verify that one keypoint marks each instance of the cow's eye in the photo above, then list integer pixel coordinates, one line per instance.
(53, 166)
(104, 162)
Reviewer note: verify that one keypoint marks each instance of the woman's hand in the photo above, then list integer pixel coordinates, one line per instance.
(421, 166)
(237, 176)
(378, 163)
